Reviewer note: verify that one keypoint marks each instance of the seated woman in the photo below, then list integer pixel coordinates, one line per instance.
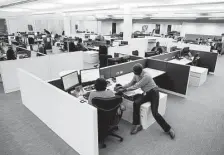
(196, 60)
(100, 86)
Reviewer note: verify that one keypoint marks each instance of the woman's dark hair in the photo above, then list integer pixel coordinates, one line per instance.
(100, 84)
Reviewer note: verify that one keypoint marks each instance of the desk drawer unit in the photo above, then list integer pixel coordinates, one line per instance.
(197, 78)
(145, 111)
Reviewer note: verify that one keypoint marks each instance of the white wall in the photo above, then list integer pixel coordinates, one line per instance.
(72, 121)
(106, 27)
(202, 28)
(176, 26)
(53, 23)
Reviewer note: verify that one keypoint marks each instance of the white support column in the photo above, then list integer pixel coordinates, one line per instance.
(127, 23)
(67, 25)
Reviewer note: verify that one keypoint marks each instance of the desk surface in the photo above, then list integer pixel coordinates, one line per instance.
(124, 79)
(183, 61)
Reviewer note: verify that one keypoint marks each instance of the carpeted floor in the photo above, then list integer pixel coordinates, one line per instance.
(198, 121)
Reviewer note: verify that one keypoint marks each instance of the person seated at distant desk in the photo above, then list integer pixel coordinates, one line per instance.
(196, 61)
(100, 86)
(10, 54)
(41, 51)
(157, 49)
(80, 46)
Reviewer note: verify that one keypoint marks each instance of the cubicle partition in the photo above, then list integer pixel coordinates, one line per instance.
(72, 121)
(120, 69)
(165, 57)
(176, 77)
(208, 59)
(196, 36)
(46, 67)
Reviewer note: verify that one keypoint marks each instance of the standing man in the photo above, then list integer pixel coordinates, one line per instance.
(144, 81)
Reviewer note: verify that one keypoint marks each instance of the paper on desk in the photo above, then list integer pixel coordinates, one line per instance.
(134, 92)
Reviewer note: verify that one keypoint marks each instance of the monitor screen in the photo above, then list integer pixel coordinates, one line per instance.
(90, 75)
(70, 80)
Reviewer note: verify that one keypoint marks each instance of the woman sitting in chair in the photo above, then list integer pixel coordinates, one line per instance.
(196, 60)
(100, 86)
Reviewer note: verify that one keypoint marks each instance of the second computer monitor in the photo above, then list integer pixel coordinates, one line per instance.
(89, 75)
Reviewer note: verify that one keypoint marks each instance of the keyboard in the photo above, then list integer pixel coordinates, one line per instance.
(86, 95)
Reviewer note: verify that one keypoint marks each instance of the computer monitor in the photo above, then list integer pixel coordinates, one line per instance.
(89, 75)
(70, 80)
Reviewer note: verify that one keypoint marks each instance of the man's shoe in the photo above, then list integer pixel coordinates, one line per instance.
(171, 133)
(135, 129)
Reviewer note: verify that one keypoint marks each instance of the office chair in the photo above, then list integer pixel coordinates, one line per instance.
(135, 52)
(109, 115)
(103, 58)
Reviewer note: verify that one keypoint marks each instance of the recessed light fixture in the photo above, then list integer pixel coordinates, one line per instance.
(14, 10)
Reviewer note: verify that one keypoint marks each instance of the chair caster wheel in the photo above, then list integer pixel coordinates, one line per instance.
(116, 128)
(121, 140)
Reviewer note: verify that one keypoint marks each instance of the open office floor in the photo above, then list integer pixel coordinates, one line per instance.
(198, 121)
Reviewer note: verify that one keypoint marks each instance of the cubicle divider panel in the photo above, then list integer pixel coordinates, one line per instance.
(57, 83)
(195, 36)
(208, 59)
(125, 68)
(165, 57)
(132, 57)
(72, 121)
(156, 64)
(177, 77)
(37, 66)
(105, 72)
(65, 61)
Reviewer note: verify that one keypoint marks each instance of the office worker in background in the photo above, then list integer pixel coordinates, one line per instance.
(100, 86)
(158, 49)
(144, 81)
(10, 54)
(41, 50)
(196, 61)
(80, 45)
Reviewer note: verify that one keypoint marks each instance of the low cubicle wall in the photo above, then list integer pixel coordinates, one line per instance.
(176, 77)
(45, 67)
(208, 59)
(72, 121)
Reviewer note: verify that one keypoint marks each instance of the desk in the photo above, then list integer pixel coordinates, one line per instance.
(183, 61)
(94, 48)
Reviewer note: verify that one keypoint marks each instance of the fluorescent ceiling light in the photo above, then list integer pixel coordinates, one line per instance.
(78, 1)
(216, 18)
(159, 9)
(40, 6)
(208, 7)
(106, 7)
(175, 18)
(14, 10)
(40, 13)
(195, 1)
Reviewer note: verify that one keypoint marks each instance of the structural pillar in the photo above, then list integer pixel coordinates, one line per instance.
(67, 24)
(127, 27)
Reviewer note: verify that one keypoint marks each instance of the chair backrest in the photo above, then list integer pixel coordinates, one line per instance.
(107, 113)
(103, 60)
(135, 52)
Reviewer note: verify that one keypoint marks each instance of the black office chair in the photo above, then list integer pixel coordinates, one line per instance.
(135, 52)
(109, 115)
